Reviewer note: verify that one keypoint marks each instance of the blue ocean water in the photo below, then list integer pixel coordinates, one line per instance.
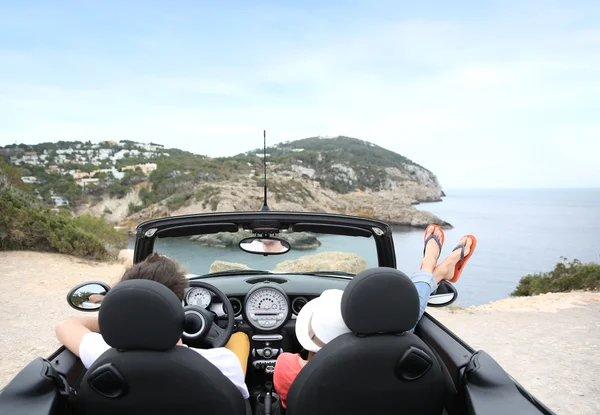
(519, 231)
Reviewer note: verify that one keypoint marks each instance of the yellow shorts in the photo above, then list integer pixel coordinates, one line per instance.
(239, 343)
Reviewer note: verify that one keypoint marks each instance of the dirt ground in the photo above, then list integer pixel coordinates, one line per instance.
(549, 343)
(33, 290)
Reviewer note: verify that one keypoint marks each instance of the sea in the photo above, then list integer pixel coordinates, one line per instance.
(518, 231)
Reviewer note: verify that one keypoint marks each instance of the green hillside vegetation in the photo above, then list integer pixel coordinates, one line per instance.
(63, 185)
(354, 151)
(566, 276)
(342, 164)
(80, 298)
(27, 225)
(181, 173)
(366, 159)
(342, 149)
(178, 172)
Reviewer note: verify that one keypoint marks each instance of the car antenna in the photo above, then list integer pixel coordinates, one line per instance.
(265, 206)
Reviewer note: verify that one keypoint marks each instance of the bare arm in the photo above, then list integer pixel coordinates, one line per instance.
(96, 298)
(70, 332)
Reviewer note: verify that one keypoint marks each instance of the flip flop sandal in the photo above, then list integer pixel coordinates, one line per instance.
(435, 238)
(460, 265)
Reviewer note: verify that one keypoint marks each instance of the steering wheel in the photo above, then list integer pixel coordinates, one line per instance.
(201, 324)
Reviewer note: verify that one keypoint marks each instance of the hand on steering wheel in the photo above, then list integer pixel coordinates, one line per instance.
(201, 325)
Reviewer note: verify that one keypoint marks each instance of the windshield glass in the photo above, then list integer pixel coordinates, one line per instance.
(310, 252)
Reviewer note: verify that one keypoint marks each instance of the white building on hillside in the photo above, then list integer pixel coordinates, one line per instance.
(153, 147)
(117, 174)
(29, 179)
(59, 201)
(86, 182)
(30, 157)
(104, 153)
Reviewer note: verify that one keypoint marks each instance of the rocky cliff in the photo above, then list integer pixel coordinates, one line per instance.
(341, 175)
(301, 194)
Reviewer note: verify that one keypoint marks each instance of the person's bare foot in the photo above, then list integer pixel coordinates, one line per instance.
(432, 249)
(445, 271)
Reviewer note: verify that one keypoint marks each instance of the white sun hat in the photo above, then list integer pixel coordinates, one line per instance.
(320, 321)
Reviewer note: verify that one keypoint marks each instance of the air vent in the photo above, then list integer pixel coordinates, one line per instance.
(298, 303)
(266, 279)
(237, 306)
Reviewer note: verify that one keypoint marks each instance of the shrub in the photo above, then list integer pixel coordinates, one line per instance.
(80, 298)
(117, 190)
(290, 190)
(26, 225)
(179, 200)
(103, 229)
(134, 208)
(206, 192)
(565, 276)
(214, 203)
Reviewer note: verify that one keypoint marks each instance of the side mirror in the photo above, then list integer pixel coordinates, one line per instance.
(265, 246)
(445, 295)
(87, 296)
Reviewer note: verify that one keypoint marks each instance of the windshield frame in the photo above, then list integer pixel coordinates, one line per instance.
(147, 232)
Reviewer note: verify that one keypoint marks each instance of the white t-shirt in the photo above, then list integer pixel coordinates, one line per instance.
(93, 345)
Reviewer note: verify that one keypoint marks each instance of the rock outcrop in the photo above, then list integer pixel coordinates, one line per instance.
(113, 209)
(325, 261)
(303, 195)
(220, 266)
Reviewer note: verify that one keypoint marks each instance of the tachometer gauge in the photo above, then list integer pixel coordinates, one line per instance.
(198, 296)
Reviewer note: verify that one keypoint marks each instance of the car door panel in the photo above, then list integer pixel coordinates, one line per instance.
(68, 364)
(453, 353)
(35, 390)
(491, 391)
(483, 387)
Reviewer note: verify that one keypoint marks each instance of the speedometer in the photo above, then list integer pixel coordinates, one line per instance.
(266, 308)
(198, 296)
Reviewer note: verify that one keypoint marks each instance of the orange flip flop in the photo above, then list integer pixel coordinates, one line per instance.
(432, 236)
(460, 265)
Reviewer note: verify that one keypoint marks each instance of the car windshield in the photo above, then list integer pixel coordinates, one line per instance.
(310, 252)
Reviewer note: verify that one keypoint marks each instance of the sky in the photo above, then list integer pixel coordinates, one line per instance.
(483, 93)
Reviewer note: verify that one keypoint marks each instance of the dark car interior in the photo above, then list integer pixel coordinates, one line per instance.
(380, 367)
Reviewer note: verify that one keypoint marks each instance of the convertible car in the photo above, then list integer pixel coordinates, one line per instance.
(253, 272)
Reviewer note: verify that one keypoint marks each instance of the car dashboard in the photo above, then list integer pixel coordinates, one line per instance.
(265, 307)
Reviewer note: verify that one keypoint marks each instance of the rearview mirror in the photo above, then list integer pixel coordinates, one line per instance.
(87, 296)
(265, 246)
(445, 295)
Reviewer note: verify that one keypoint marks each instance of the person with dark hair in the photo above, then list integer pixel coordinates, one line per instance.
(81, 335)
(161, 269)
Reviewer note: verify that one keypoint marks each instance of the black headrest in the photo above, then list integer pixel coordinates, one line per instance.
(380, 300)
(141, 314)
